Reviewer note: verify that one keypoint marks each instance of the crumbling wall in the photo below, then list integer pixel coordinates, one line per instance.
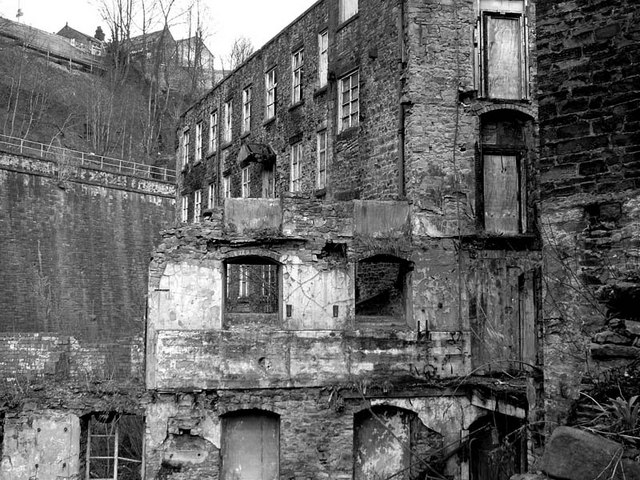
(590, 191)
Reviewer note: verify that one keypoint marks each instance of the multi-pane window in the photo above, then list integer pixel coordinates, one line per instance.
(348, 108)
(251, 285)
(114, 447)
(226, 186)
(246, 183)
(198, 142)
(211, 196)
(503, 49)
(270, 82)
(228, 121)
(268, 181)
(246, 109)
(185, 208)
(296, 76)
(213, 131)
(348, 8)
(323, 58)
(197, 205)
(295, 179)
(185, 149)
(243, 280)
(321, 178)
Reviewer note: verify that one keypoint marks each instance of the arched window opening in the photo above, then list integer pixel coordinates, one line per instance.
(250, 446)
(381, 290)
(391, 442)
(503, 165)
(252, 285)
(497, 447)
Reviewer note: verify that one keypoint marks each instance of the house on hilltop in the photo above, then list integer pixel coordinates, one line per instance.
(86, 43)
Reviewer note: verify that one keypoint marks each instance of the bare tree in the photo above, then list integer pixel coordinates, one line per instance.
(241, 49)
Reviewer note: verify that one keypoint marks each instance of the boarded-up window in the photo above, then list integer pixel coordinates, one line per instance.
(391, 442)
(501, 193)
(503, 62)
(503, 317)
(250, 446)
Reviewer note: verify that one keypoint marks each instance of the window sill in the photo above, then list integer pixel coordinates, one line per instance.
(245, 134)
(226, 145)
(296, 105)
(348, 133)
(211, 153)
(496, 241)
(320, 192)
(268, 122)
(321, 90)
(349, 20)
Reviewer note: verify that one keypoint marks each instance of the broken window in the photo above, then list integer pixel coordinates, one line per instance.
(503, 171)
(252, 285)
(391, 442)
(381, 289)
(113, 447)
(503, 49)
(497, 448)
(250, 446)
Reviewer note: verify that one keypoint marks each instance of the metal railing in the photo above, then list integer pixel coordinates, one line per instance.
(83, 159)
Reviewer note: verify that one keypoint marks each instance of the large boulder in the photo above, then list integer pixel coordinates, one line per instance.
(573, 454)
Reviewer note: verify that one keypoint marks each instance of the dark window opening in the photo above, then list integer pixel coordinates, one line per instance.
(252, 285)
(250, 446)
(497, 447)
(381, 289)
(391, 442)
(112, 445)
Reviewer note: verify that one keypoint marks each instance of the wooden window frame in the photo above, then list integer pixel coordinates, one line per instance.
(246, 110)
(297, 65)
(322, 158)
(323, 58)
(349, 101)
(270, 85)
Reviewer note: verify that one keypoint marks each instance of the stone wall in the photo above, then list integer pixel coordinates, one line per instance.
(589, 57)
(75, 246)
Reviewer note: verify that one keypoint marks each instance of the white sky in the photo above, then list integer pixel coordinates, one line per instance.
(258, 20)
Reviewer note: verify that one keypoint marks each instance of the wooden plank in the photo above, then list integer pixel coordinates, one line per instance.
(527, 314)
(503, 57)
(501, 194)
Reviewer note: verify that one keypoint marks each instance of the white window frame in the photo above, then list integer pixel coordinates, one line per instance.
(184, 154)
(228, 121)
(243, 281)
(349, 101)
(295, 180)
(213, 131)
(321, 155)
(197, 206)
(198, 156)
(297, 64)
(347, 9)
(246, 110)
(246, 183)
(184, 216)
(323, 58)
(271, 84)
(211, 196)
(226, 186)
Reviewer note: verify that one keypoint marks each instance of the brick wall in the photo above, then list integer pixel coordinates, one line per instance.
(74, 267)
(589, 62)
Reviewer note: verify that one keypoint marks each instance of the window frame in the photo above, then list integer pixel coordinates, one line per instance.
(321, 158)
(297, 66)
(500, 9)
(211, 195)
(184, 217)
(198, 153)
(245, 185)
(346, 10)
(197, 206)
(184, 154)
(226, 186)
(271, 85)
(213, 131)
(353, 116)
(323, 58)
(227, 134)
(246, 109)
(295, 160)
(114, 443)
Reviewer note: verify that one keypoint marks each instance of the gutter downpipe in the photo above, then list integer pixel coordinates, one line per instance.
(401, 116)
